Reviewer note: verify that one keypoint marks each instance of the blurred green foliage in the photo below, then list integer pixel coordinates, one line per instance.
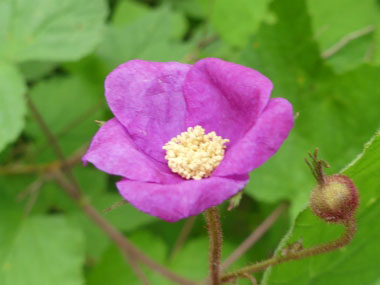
(323, 56)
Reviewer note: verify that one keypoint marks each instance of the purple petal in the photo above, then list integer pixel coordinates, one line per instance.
(172, 202)
(261, 141)
(146, 97)
(113, 151)
(225, 97)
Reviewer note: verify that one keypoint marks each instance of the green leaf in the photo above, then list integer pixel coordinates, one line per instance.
(50, 29)
(357, 262)
(153, 36)
(127, 11)
(12, 104)
(376, 52)
(94, 185)
(69, 105)
(352, 54)
(193, 8)
(236, 21)
(90, 68)
(336, 112)
(113, 265)
(51, 196)
(196, 268)
(125, 218)
(333, 25)
(136, 31)
(334, 21)
(42, 250)
(331, 22)
(35, 70)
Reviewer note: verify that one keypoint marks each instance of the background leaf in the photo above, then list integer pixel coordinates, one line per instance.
(54, 253)
(332, 24)
(113, 266)
(154, 36)
(236, 21)
(50, 29)
(334, 109)
(69, 105)
(12, 104)
(127, 11)
(376, 49)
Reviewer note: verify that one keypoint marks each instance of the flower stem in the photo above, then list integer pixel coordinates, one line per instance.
(350, 229)
(216, 239)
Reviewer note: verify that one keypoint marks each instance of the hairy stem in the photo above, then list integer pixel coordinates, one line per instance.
(350, 229)
(215, 236)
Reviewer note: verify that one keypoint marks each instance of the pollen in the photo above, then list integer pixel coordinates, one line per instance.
(194, 154)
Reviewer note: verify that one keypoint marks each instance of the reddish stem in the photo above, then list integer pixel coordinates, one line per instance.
(215, 235)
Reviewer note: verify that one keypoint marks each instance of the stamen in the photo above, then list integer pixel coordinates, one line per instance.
(194, 154)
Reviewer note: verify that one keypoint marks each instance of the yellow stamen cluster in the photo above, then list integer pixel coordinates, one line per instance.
(194, 154)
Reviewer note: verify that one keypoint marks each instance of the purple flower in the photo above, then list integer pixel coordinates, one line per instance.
(155, 102)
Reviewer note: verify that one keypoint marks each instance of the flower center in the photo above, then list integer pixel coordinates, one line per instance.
(194, 154)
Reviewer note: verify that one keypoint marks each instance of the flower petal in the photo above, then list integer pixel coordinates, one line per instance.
(225, 97)
(261, 141)
(146, 97)
(113, 151)
(172, 202)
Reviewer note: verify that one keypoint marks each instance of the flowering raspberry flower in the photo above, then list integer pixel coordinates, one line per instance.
(185, 137)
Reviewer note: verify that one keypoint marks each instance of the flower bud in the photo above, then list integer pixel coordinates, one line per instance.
(335, 200)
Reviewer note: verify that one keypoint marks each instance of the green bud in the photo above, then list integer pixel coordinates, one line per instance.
(335, 200)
